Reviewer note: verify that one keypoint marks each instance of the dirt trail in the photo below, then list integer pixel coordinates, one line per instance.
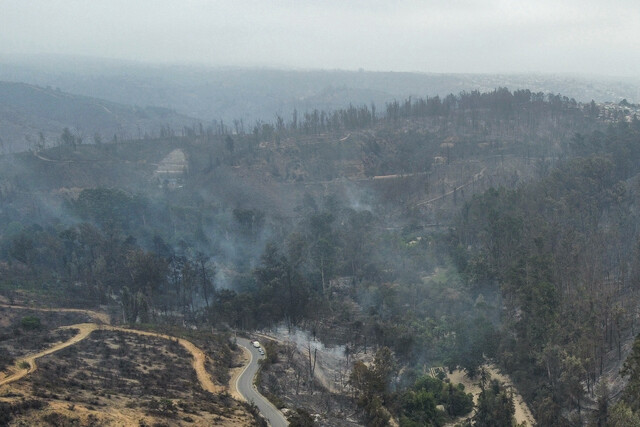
(97, 315)
(84, 330)
(199, 357)
(475, 178)
(522, 411)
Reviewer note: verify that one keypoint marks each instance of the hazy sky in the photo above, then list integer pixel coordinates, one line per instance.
(585, 36)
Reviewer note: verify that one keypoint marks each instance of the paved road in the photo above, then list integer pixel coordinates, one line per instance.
(244, 385)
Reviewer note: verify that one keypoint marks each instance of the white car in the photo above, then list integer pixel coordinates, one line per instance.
(256, 344)
(261, 351)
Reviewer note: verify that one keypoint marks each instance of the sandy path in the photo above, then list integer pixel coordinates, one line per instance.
(84, 330)
(198, 364)
(522, 411)
(97, 315)
(199, 357)
(476, 178)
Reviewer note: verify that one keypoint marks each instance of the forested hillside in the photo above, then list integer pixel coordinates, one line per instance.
(563, 251)
(435, 232)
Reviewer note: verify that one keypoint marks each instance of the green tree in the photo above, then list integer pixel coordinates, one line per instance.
(206, 275)
(30, 323)
(372, 386)
(495, 406)
(601, 414)
(323, 245)
(229, 144)
(631, 370)
(282, 291)
(573, 374)
(621, 415)
(419, 407)
(250, 222)
(67, 138)
(301, 418)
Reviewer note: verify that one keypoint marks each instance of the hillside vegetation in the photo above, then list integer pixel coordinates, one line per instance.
(437, 232)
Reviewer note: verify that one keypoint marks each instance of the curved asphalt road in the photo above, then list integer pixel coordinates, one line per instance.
(244, 385)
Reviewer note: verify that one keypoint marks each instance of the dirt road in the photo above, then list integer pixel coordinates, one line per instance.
(199, 357)
(242, 387)
(17, 372)
(522, 411)
(85, 329)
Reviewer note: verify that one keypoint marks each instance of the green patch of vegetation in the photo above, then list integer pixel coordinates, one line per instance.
(495, 405)
(30, 323)
(301, 418)
(277, 402)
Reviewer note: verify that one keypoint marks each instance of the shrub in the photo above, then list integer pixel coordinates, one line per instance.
(30, 323)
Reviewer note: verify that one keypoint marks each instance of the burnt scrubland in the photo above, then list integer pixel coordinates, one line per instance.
(111, 375)
(114, 376)
(429, 233)
(25, 331)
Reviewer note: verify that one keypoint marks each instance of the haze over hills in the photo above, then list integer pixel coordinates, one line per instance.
(33, 116)
(336, 214)
(479, 228)
(407, 232)
(209, 93)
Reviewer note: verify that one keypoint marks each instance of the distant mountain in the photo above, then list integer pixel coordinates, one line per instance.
(32, 115)
(210, 93)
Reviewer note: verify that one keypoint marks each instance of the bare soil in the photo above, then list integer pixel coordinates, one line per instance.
(522, 414)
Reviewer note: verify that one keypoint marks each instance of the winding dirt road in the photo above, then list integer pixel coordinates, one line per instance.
(85, 329)
(17, 372)
(199, 357)
(522, 412)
